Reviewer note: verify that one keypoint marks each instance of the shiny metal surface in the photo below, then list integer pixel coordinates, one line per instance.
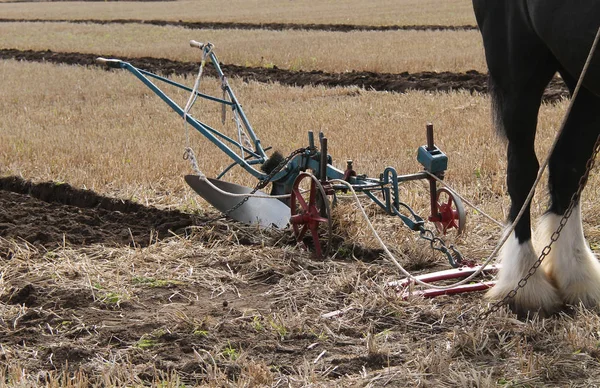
(266, 212)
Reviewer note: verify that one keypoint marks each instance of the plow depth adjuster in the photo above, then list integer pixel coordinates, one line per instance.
(434, 160)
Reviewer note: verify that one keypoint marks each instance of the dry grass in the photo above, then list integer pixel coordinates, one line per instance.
(103, 130)
(98, 135)
(391, 52)
(377, 12)
(425, 342)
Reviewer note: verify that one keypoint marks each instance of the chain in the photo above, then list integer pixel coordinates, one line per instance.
(437, 243)
(546, 251)
(261, 184)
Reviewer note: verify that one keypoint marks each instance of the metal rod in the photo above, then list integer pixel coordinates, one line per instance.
(173, 83)
(430, 143)
(447, 274)
(238, 107)
(432, 182)
(431, 293)
(413, 177)
(235, 164)
(193, 122)
(433, 194)
(323, 166)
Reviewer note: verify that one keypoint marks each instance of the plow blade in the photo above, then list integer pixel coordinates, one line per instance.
(265, 212)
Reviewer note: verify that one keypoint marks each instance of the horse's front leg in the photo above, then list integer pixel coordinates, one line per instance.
(518, 254)
(571, 264)
(520, 66)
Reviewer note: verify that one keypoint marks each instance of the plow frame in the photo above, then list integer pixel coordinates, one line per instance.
(384, 191)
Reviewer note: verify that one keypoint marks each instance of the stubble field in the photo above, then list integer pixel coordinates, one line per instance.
(114, 273)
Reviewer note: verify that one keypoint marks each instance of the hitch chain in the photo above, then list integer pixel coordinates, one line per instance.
(546, 251)
(437, 243)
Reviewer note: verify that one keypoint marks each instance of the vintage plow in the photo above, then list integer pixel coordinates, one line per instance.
(303, 184)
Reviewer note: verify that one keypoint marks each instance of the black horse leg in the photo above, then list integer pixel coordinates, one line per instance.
(520, 67)
(518, 116)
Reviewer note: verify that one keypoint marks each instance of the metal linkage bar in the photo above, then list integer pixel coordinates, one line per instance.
(187, 89)
(404, 285)
(210, 133)
(237, 105)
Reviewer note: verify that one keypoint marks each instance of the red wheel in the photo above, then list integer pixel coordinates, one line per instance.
(311, 212)
(451, 213)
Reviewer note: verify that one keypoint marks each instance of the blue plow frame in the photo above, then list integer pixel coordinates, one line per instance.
(383, 191)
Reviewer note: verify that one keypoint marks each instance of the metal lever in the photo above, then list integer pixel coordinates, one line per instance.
(112, 63)
(194, 43)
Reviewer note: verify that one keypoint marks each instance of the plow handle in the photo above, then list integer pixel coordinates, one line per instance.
(199, 45)
(113, 63)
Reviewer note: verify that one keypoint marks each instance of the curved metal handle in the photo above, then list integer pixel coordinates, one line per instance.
(113, 63)
(194, 43)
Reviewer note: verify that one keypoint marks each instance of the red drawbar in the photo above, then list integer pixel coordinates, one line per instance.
(405, 285)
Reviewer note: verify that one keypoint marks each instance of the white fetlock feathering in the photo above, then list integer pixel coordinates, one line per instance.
(571, 264)
(538, 295)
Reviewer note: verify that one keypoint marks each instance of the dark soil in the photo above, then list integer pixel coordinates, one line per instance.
(51, 215)
(472, 81)
(256, 26)
(71, 325)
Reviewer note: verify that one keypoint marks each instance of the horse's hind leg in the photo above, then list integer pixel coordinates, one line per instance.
(571, 264)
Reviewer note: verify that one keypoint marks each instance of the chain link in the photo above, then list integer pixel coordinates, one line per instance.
(437, 243)
(546, 251)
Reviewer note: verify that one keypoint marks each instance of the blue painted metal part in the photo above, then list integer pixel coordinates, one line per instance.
(433, 160)
(210, 133)
(173, 83)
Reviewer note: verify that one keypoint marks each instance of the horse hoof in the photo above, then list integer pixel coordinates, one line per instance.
(580, 286)
(538, 298)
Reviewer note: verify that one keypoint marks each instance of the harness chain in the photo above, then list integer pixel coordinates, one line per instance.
(546, 251)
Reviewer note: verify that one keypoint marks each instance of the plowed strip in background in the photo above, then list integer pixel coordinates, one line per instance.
(428, 81)
(258, 26)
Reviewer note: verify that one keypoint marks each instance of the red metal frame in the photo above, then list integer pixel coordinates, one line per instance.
(405, 285)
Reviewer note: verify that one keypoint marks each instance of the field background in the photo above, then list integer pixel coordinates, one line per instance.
(227, 305)
(411, 51)
(378, 12)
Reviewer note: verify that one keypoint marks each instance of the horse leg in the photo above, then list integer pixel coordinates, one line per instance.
(571, 264)
(518, 116)
(517, 83)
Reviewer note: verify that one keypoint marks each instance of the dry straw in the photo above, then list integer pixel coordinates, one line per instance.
(395, 51)
(246, 300)
(378, 12)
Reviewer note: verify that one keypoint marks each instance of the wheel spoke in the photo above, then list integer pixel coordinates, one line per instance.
(320, 219)
(311, 211)
(312, 199)
(449, 203)
(300, 199)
